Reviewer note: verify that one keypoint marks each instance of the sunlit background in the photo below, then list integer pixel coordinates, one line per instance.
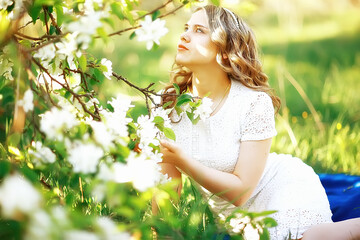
(311, 52)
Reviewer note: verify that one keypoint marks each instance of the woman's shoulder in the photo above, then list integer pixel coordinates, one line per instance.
(248, 95)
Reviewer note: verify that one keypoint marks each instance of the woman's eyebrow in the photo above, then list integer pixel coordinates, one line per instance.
(196, 25)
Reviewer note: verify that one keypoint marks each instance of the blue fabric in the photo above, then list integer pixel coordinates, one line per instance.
(343, 192)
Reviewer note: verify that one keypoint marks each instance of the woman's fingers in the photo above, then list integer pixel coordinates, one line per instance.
(167, 145)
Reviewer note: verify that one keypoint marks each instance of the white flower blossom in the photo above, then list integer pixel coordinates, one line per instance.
(67, 47)
(27, 101)
(151, 31)
(40, 226)
(141, 170)
(147, 131)
(204, 110)
(99, 192)
(46, 53)
(18, 8)
(105, 173)
(17, 195)
(117, 121)
(74, 80)
(102, 134)
(54, 122)
(108, 64)
(121, 104)
(110, 231)
(164, 114)
(85, 27)
(44, 78)
(85, 157)
(91, 102)
(6, 67)
(60, 216)
(80, 235)
(5, 3)
(145, 173)
(41, 154)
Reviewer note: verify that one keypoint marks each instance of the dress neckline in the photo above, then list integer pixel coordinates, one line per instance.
(225, 102)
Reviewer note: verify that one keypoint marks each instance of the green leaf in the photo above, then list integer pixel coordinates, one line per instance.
(155, 15)
(265, 235)
(185, 98)
(169, 133)
(158, 119)
(5, 168)
(98, 75)
(52, 30)
(14, 139)
(116, 9)
(269, 222)
(141, 13)
(34, 12)
(102, 34)
(109, 21)
(177, 88)
(60, 14)
(129, 4)
(25, 43)
(129, 16)
(83, 62)
(3, 152)
(132, 35)
(167, 104)
(29, 174)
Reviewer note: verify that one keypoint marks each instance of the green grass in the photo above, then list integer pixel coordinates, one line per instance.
(322, 54)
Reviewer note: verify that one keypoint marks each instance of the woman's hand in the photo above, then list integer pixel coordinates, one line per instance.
(172, 153)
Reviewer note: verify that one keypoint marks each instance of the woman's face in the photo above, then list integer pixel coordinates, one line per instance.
(195, 46)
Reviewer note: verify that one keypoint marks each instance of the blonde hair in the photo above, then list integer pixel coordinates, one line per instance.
(237, 42)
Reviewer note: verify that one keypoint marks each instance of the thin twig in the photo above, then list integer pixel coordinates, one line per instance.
(66, 87)
(46, 20)
(138, 26)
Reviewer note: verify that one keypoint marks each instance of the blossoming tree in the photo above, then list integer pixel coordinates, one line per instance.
(72, 168)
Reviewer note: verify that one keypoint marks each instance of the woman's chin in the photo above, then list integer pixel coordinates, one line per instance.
(180, 61)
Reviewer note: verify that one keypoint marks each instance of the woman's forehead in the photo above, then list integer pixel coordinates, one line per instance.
(199, 18)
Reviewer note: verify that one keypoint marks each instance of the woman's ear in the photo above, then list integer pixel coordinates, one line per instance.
(224, 56)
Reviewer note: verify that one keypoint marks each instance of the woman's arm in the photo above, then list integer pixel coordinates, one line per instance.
(343, 230)
(235, 187)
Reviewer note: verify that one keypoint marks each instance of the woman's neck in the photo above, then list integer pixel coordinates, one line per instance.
(212, 81)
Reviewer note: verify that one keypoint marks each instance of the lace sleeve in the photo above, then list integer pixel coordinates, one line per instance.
(258, 122)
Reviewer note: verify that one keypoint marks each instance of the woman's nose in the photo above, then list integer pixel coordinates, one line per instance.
(184, 37)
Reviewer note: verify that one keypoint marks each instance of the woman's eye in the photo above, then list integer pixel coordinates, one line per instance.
(199, 30)
(185, 29)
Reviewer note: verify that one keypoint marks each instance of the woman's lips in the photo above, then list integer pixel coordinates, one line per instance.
(182, 47)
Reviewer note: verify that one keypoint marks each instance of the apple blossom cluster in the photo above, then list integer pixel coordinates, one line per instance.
(15, 12)
(6, 65)
(18, 196)
(27, 101)
(151, 31)
(41, 154)
(86, 154)
(142, 170)
(204, 110)
(198, 109)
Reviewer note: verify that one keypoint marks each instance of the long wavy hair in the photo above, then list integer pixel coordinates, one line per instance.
(234, 39)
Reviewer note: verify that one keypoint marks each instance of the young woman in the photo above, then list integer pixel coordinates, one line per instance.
(228, 153)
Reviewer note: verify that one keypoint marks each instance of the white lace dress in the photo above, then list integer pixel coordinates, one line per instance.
(287, 184)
